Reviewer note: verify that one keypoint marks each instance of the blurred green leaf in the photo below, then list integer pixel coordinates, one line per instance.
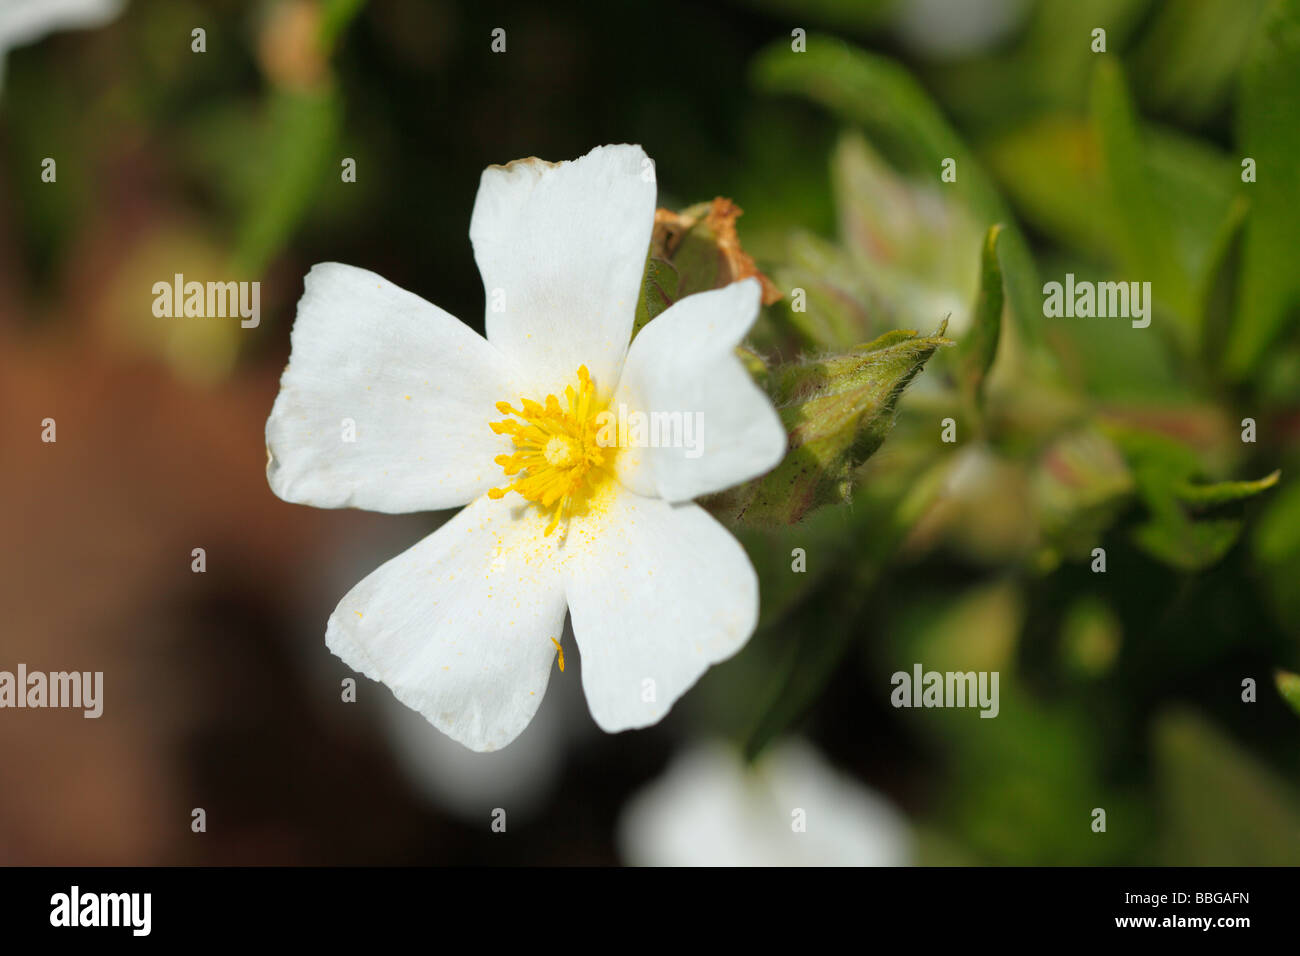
(1080, 483)
(1216, 294)
(1142, 232)
(1045, 73)
(1193, 184)
(1188, 526)
(36, 126)
(1267, 106)
(1026, 784)
(1091, 633)
(1184, 544)
(1278, 536)
(1189, 54)
(977, 630)
(1051, 169)
(297, 146)
(1198, 495)
(1019, 787)
(1057, 53)
(979, 346)
(336, 15)
(1288, 685)
(1222, 808)
(1111, 361)
(1276, 549)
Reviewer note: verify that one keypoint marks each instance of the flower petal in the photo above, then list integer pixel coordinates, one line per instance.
(460, 625)
(684, 362)
(418, 387)
(711, 809)
(24, 21)
(657, 593)
(561, 248)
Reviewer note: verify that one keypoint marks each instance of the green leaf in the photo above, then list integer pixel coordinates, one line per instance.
(1267, 106)
(1288, 685)
(837, 411)
(1080, 484)
(1217, 292)
(1188, 61)
(297, 147)
(1114, 363)
(1193, 183)
(336, 15)
(1277, 539)
(1276, 549)
(882, 97)
(1188, 525)
(1187, 545)
(1205, 496)
(979, 346)
(1091, 636)
(1056, 52)
(1050, 168)
(1143, 234)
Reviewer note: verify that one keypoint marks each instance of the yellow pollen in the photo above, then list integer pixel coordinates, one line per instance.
(558, 452)
(558, 460)
(560, 649)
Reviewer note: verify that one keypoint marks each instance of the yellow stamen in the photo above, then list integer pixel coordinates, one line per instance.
(557, 461)
(559, 648)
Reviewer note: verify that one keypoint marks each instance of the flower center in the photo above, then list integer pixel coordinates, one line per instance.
(558, 461)
(559, 451)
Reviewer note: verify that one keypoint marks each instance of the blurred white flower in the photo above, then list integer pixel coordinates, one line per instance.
(390, 404)
(956, 28)
(25, 21)
(710, 809)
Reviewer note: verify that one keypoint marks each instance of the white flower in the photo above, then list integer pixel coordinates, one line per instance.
(953, 29)
(790, 809)
(464, 626)
(25, 21)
